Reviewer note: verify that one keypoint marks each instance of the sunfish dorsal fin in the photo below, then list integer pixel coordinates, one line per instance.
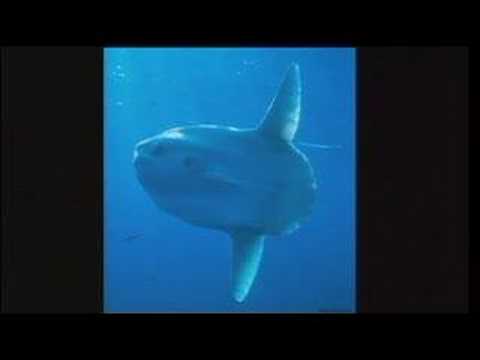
(247, 255)
(283, 115)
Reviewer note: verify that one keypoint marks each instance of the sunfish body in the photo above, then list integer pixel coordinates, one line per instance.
(249, 183)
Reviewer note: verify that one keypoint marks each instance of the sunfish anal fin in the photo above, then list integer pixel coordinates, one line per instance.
(247, 256)
(283, 115)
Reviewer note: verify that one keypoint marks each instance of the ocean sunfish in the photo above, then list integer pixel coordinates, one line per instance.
(249, 183)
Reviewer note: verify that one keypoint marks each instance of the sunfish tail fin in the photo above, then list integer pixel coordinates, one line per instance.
(283, 115)
(247, 256)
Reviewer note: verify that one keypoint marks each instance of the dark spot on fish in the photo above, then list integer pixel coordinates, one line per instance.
(194, 164)
(159, 150)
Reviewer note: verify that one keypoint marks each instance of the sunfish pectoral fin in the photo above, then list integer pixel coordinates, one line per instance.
(283, 115)
(247, 256)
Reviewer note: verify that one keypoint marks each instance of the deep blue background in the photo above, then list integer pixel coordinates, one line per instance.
(171, 266)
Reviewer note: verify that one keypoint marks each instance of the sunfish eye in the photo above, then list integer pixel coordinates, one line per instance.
(193, 163)
(158, 150)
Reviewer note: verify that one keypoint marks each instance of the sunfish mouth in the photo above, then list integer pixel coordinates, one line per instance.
(143, 163)
(135, 156)
(140, 161)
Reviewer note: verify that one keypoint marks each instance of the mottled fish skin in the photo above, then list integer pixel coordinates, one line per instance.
(244, 181)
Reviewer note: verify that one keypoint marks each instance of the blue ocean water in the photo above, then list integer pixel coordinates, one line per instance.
(157, 263)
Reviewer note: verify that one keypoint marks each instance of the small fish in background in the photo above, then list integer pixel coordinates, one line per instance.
(132, 237)
(319, 146)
